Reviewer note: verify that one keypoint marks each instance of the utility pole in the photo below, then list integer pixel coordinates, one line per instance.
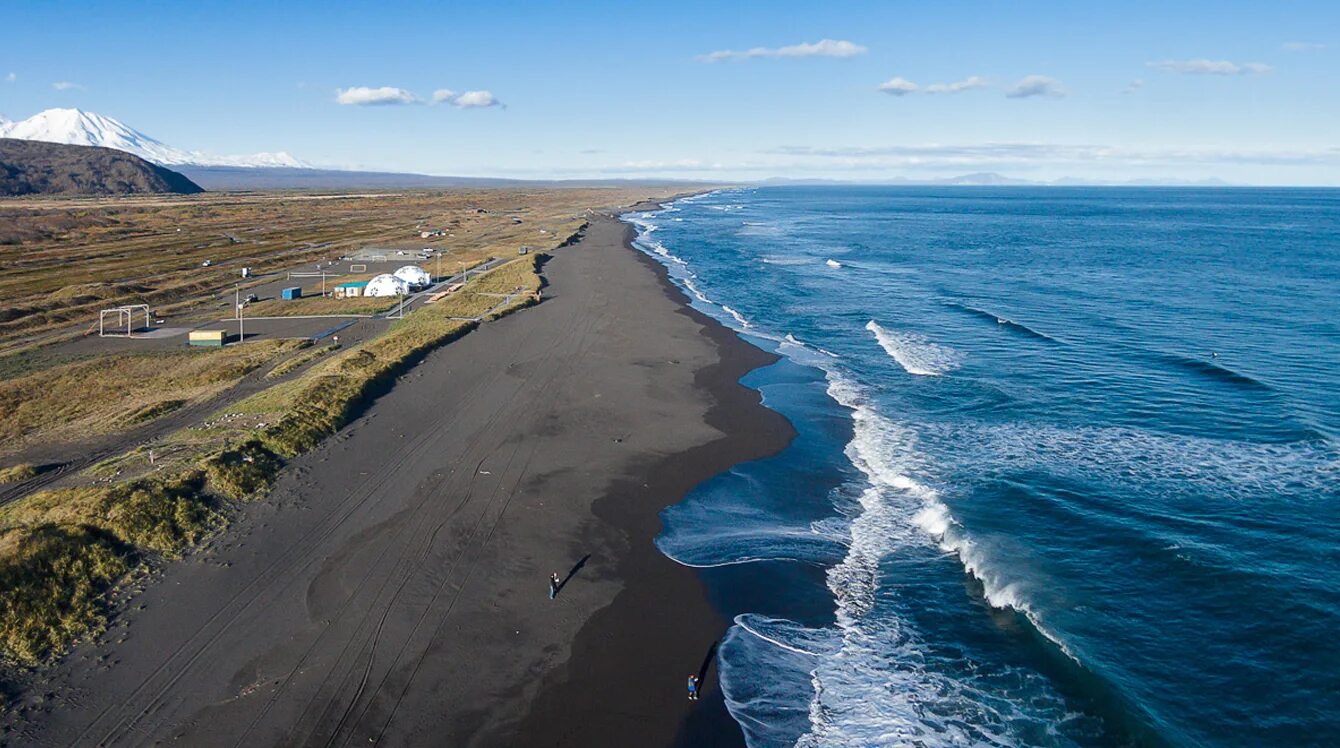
(439, 264)
(237, 299)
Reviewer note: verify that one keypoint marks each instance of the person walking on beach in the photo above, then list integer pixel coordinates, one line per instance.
(693, 688)
(553, 585)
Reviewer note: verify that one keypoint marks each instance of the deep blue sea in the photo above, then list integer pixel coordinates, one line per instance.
(1067, 471)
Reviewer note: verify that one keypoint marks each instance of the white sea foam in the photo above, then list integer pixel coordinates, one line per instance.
(877, 689)
(833, 263)
(1230, 469)
(738, 317)
(915, 353)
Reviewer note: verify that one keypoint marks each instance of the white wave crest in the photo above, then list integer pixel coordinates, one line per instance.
(786, 261)
(915, 353)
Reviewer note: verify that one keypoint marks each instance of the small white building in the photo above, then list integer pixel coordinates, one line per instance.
(415, 276)
(386, 285)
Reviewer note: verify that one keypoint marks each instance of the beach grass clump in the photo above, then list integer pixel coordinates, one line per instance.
(17, 473)
(165, 514)
(55, 580)
(61, 550)
(243, 471)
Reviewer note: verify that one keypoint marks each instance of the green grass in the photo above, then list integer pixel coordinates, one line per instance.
(55, 577)
(108, 393)
(164, 514)
(61, 550)
(17, 473)
(243, 471)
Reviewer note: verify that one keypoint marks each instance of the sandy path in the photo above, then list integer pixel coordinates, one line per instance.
(393, 588)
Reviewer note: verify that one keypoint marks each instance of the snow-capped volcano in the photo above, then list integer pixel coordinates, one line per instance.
(77, 127)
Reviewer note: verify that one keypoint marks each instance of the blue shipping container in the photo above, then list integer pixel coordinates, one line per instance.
(290, 294)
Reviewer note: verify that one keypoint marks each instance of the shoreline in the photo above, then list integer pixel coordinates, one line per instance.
(391, 588)
(623, 640)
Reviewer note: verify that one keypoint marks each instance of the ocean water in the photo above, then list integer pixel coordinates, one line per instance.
(1067, 468)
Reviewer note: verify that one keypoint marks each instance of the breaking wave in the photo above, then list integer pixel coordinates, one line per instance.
(915, 353)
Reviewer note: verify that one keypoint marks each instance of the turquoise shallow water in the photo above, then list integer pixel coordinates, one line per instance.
(1066, 471)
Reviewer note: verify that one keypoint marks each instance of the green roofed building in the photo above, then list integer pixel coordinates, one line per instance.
(351, 289)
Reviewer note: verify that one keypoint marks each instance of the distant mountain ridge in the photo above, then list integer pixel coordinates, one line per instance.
(29, 167)
(281, 171)
(992, 179)
(77, 127)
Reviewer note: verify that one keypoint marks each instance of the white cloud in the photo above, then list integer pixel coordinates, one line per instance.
(899, 86)
(365, 96)
(1301, 46)
(1133, 86)
(1201, 66)
(475, 100)
(467, 99)
(11, 77)
(967, 84)
(1036, 85)
(821, 48)
(66, 86)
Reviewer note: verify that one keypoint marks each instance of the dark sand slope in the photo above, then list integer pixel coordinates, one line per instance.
(393, 587)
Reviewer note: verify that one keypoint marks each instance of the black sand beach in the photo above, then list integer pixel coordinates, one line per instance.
(392, 589)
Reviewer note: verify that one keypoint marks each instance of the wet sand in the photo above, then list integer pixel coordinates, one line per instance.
(392, 590)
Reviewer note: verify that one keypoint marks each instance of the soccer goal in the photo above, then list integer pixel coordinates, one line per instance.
(125, 317)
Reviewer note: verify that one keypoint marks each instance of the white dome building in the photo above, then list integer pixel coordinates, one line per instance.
(415, 276)
(386, 285)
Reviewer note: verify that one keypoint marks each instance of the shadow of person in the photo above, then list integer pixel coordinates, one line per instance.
(703, 668)
(573, 571)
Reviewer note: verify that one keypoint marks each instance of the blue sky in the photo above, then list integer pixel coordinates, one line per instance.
(1241, 91)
